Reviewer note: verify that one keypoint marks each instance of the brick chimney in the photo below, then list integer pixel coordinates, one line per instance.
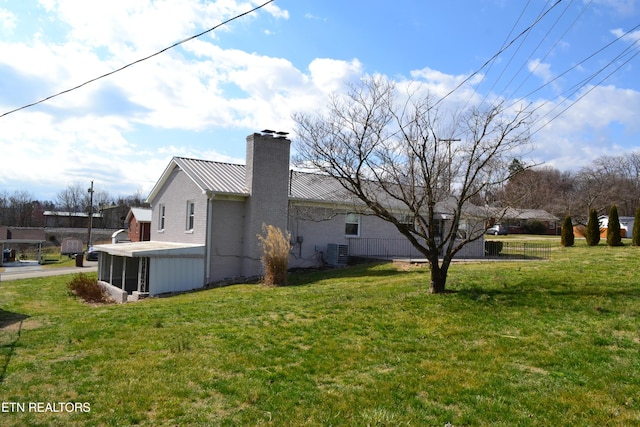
(267, 179)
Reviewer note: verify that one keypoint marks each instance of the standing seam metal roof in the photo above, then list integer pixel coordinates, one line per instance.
(227, 178)
(216, 177)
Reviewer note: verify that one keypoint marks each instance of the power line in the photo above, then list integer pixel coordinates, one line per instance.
(579, 64)
(591, 88)
(493, 58)
(526, 61)
(138, 61)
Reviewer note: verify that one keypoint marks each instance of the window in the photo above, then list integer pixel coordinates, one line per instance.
(352, 225)
(161, 217)
(191, 213)
(463, 228)
(407, 220)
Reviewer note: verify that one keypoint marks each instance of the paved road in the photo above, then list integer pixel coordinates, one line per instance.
(29, 270)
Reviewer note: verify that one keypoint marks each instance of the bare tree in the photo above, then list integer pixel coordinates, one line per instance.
(388, 147)
(540, 188)
(73, 199)
(21, 208)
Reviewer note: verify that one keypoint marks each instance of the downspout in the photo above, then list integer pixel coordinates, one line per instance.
(124, 272)
(208, 239)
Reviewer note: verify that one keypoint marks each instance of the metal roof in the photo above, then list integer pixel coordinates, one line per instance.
(141, 214)
(216, 177)
(22, 235)
(227, 178)
(315, 187)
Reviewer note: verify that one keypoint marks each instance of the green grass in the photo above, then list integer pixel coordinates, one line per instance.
(518, 343)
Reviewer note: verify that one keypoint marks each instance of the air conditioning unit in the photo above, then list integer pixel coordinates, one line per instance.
(337, 255)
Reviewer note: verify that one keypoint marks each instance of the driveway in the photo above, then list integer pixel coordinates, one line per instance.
(31, 269)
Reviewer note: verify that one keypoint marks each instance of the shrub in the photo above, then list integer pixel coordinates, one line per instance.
(566, 237)
(493, 247)
(87, 288)
(593, 228)
(535, 227)
(275, 254)
(614, 237)
(635, 237)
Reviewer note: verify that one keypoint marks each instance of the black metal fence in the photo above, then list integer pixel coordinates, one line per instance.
(516, 250)
(494, 249)
(382, 248)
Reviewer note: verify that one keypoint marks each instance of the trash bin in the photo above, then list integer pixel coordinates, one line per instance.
(79, 260)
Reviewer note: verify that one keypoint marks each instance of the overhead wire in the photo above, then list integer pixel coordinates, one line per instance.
(513, 55)
(496, 55)
(542, 39)
(490, 67)
(576, 65)
(137, 61)
(575, 88)
(581, 85)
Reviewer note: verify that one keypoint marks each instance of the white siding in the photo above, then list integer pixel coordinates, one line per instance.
(174, 195)
(175, 274)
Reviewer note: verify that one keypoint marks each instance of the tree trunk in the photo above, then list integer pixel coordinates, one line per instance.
(438, 279)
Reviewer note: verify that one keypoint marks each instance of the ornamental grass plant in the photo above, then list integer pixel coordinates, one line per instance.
(276, 245)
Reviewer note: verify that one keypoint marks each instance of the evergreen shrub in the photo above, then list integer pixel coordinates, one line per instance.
(567, 237)
(614, 236)
(593, 228)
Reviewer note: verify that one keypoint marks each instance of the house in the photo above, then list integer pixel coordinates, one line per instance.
(138, 222)
(206, 217)
(626, 225)
(523, 220)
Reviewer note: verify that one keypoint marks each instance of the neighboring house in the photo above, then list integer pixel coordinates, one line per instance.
(138, 222)
(206, 217)
(626, 225)
(519, 220)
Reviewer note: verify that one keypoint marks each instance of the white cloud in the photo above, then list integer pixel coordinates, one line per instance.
(587, 129)
(622, 7)
(200, 87)
(540, 69)
(144, 26)
(632, 37)
(8, 20)
(329, 75)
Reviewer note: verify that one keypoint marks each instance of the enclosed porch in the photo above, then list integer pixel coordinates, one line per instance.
(150, 268)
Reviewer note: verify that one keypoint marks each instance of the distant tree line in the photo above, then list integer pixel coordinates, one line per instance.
(607, 181)
(22, 209)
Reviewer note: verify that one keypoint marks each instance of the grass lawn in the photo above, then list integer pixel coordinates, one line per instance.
(540, 343)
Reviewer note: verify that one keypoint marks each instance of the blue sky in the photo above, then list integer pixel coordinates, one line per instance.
(202, 98)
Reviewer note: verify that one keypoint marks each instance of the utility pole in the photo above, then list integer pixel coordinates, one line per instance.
(90, 190)
(449, 141)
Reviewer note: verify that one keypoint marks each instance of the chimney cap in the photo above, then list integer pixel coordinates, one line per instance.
(268, 131)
